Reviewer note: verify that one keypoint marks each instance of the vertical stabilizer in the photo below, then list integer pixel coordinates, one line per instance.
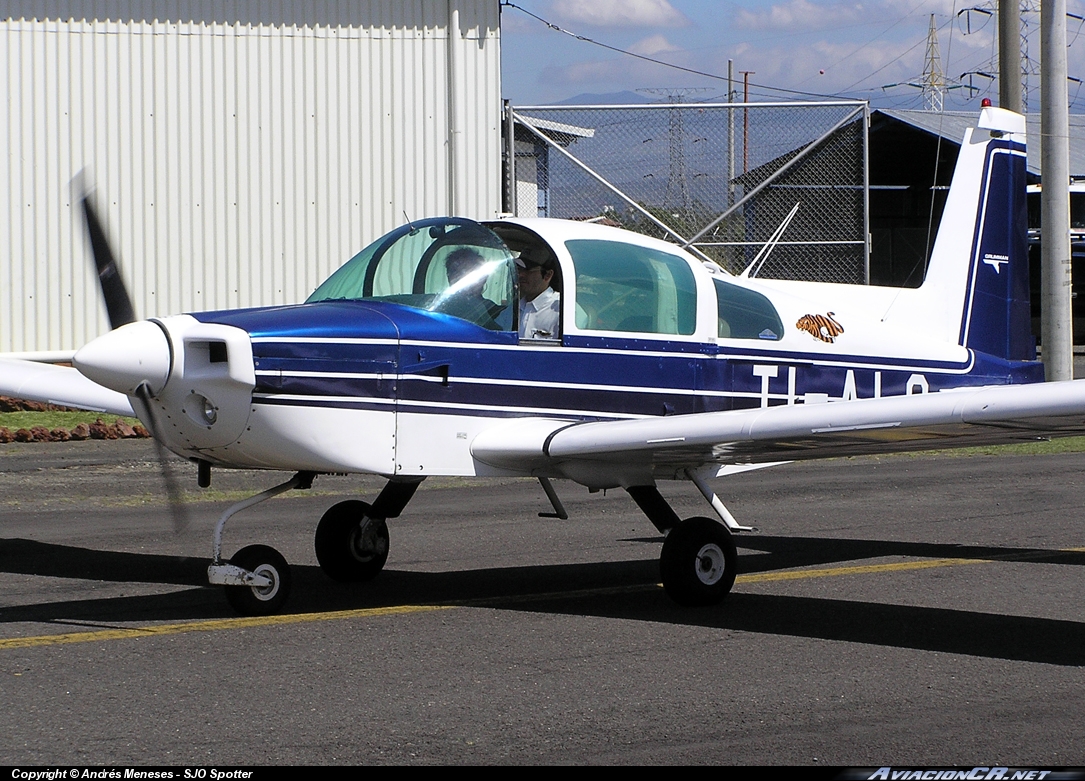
(977, 285)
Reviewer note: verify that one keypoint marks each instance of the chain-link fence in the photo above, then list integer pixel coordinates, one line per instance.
(781, 187)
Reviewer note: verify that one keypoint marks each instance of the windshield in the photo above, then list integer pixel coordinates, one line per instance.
(447, 265)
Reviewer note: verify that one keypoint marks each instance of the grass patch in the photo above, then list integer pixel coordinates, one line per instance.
(1043, 447)
(52, 420)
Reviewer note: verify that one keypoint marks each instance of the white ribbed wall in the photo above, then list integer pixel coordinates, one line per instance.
(241, 151)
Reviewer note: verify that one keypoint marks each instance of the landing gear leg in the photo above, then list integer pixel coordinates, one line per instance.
(698, 560)
(352, 537)
(257, 578)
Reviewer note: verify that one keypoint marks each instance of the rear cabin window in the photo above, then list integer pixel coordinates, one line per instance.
(745, 314)
(623, 287)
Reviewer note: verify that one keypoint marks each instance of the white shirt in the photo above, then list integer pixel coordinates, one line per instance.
(540, 319)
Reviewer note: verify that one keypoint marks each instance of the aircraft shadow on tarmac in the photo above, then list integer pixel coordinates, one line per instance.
(625, 590)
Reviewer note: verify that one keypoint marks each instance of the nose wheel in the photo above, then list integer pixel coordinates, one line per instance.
(270, 581)
(698, 561)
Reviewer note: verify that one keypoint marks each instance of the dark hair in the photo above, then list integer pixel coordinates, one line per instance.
(538, 256)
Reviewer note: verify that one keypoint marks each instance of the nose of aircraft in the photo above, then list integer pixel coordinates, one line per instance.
(122, 359)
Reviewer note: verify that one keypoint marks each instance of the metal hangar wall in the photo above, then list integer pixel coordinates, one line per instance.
(240, 151)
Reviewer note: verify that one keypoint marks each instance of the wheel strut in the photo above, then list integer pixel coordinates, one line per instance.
(352, 537)
(220, 573)
(698, 560)
(717, 505)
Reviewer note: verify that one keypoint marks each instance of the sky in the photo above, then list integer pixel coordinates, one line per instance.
(796, 49)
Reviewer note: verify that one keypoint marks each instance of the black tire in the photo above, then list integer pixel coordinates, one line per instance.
(260, 601)
(340, 548)
(698, 562)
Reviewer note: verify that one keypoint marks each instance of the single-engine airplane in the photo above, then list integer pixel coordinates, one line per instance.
(409, 362)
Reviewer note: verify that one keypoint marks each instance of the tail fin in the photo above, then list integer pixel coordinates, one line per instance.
(977, 283)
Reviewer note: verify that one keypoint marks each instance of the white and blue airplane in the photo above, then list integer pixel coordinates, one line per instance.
(408, 362)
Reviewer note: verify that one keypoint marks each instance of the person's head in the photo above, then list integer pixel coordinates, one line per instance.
(535, 272)
(462, 262)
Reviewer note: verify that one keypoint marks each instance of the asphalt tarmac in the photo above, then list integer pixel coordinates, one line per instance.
(899, 610)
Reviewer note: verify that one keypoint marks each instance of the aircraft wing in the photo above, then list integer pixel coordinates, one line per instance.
(58, 385)
(971, 416)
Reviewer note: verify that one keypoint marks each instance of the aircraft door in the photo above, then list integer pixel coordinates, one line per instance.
(463, 278)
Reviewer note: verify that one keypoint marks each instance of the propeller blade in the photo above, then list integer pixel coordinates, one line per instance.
(117, 303)
(173, 490)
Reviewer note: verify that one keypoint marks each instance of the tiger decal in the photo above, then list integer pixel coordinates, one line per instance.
(822, 327)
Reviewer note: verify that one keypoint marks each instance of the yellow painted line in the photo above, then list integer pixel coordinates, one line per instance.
(903, 566)
(868, 569)
(212, 626)
(218, 625)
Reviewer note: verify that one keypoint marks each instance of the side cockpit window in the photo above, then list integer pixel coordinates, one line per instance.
(540, 283)
(745, 314)
(625, 287)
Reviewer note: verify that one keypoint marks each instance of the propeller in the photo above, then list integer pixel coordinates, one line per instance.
(118, 305)
(120, 311)
(178, 511)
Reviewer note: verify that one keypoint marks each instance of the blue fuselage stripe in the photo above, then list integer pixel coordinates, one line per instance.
(364, 355)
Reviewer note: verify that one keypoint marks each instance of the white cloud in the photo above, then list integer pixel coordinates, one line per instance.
(612, 75)
(802, 14)
(829, 67)
(806, 15)
(653, 45)
(620, 13)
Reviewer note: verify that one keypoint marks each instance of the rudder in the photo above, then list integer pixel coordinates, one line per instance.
(976, 290)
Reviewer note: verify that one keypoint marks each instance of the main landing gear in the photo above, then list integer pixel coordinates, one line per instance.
(352, 537)
(351, 546)
(698, 560)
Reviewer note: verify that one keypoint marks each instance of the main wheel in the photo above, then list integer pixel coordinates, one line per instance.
(698, 561)
(346, 552)
(260, 600)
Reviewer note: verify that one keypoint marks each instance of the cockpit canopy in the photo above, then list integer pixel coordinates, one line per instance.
(612, 284)
(449, 265)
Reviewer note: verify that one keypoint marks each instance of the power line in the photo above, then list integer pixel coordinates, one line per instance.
(665, 64)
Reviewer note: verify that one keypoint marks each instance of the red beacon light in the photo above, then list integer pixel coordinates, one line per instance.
(985, 103)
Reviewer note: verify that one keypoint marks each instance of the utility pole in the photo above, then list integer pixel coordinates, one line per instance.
(1056, 322)
(730, 134)
(1009, 55)
(746, 119)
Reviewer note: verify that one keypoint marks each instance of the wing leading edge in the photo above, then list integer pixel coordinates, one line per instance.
(58, 385)
(990, 415)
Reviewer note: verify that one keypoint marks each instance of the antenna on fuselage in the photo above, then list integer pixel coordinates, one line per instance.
(763, 255)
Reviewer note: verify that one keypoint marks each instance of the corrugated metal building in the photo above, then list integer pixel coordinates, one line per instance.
(241, 151)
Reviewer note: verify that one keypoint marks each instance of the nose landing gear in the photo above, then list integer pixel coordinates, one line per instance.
(269, 581)
(257, 578)
(351, 546)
